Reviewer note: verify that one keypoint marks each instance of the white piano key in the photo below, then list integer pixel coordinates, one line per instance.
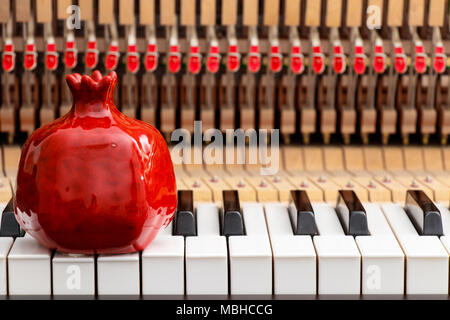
(378, 224)
(73, 274)
(292, 214)
(398, 219)
(294, 257)
(29, 268)
(167, 231)
(208, 223)
(382, 265)
(207, 254)
(163, 266)
(254, 221)
(339, 261)
(294, 265)
(427, 261)
(206, 265)
(251, 255)
(446, 242)
(5, 246)
(382, 258)
(278, 222)
(427, 265)
(250, 265)
(339, 264)
(118, 274)
(327, 220)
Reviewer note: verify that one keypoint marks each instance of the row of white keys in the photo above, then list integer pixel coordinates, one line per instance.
(339, 261)
(294, 257)
(32, 271)
(251, 255)
(382, 258)
(427, 261)
(382, 269)
(163, 263)
(206, 257)
(207, 254)
(120, 274)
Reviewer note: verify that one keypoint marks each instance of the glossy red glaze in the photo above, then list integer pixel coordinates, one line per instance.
(95, 180)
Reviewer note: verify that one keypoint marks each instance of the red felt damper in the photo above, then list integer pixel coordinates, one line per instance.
(95, 180)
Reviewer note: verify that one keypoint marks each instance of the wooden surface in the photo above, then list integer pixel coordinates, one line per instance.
(167, 13)
(313, 158)
(229, 13)
(188, 12)
(413, 158)
(416, 12)
(312, 13)
(373, 158)
(395, 13)
(432, 157)
(292, 12)
(378, 3)
(86, 9)
(354, 13)
(292, 158)
(126, 12)
(334, 158)
(61, 6)
(333, 13)
(147, 12)
(22, 10)
(393, 157)
(105, 11)
(354, 158)
(271, 12)
(44, 11)
(6, 10)
(208, 12)
(436, 13)
(250, 12)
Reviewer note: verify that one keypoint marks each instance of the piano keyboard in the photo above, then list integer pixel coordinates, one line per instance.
(323, 230)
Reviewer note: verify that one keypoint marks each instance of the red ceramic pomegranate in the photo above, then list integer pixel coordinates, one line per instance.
(95, 180)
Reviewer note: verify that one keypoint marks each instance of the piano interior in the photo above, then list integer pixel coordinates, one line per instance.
(358, 90)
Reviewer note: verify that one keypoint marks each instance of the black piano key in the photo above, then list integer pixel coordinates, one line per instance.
(352, 214)
(9, 226)
(185, 220)
(231, 217)
(423, 213)
(306, 221)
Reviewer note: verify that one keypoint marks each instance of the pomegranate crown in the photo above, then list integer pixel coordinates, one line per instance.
(92, 88)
